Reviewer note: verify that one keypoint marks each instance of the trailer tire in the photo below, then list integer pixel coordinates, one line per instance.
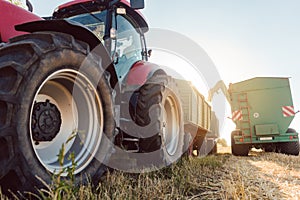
(239, 149)
(202, 148)
(289, 148)
(36, 70)
(291, 130)
(270, 147)
(188, 145)
(214, 149)
(158, 107)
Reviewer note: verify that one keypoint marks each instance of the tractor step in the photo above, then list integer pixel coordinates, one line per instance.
(128, 144)
(131, 144)
(131, 139)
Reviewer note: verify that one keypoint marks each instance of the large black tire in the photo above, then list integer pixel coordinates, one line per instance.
(289, 148)
(270, 147)
(158, 108)
(188, 146)
(291, 130)
(212, 147)
(238, 149)
(32, 67)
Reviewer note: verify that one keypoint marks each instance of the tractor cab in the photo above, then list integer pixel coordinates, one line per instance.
(118, 26)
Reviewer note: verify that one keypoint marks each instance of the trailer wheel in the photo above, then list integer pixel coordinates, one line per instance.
(214, 149)
(49, 89)
(270, 147)
(159, 108)
(289, 148)
(202, 147)
(238, 149)
(291, 130)
(188, 145)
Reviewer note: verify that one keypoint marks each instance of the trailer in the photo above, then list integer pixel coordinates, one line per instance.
(200, 122)
(262, 109)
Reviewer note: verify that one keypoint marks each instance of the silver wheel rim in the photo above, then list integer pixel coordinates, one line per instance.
(171, 125)
(81, 116)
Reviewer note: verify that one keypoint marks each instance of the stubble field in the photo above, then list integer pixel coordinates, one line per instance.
(222, 176)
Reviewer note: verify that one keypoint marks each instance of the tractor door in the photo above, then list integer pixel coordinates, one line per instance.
(127, 47)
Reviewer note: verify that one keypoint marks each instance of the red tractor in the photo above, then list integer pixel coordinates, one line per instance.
(79, 83)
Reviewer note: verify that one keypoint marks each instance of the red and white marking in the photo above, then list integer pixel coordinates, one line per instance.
(237, 115)
(288, 111)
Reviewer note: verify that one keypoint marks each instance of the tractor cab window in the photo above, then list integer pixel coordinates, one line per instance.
(126, 47)
(125, 42)
(94, 21)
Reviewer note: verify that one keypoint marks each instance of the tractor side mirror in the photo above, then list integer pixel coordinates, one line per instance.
(137, 4)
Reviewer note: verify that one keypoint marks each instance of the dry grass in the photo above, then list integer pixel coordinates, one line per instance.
(262, 176)
(188, 179)
(258, 176)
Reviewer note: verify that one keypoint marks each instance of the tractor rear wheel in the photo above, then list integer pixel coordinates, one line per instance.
(54, 95)
(158, 107)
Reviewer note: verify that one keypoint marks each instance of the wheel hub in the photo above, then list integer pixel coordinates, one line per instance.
(46, 121)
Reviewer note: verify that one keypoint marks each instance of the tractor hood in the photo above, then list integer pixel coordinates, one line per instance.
(10, 16)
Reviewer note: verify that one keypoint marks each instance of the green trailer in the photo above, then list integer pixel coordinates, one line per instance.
(262, 109)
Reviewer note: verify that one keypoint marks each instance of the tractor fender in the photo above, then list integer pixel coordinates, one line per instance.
(75, 29)
(79, 32)
(140, 72)
(10, 16)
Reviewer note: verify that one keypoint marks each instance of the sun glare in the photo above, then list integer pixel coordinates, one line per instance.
(179, 68)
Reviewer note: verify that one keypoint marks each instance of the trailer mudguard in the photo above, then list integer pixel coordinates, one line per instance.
(79, 32)
(10, 16)
(140, 72)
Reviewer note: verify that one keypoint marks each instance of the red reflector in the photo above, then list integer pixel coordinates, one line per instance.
(291, 137)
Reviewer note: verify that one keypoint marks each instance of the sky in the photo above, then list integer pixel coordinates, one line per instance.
(244, 39)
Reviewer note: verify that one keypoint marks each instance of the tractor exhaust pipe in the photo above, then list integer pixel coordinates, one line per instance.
(29, 5)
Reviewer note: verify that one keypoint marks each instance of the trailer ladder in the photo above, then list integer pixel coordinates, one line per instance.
(245, 123)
